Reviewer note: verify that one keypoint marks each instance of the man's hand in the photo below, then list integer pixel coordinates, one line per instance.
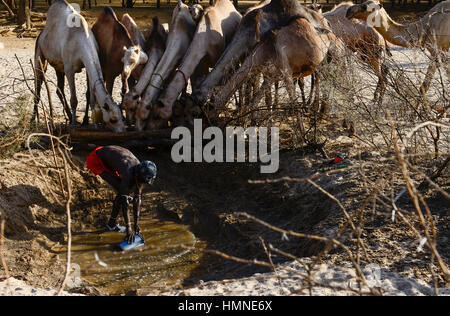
(137, 230)
(130, 237)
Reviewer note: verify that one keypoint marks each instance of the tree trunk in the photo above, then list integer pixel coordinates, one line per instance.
(24, 13)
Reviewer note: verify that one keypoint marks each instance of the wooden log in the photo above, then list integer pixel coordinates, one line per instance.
(38, 15)
(105, 137)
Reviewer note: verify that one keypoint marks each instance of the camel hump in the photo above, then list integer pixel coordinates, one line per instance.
(155, 21)
(108, 11)
(127, 19)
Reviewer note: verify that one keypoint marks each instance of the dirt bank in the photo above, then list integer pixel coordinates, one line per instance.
(206, 196)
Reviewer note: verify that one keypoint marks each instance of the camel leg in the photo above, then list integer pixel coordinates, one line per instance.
(301, 84)
(61, 95)
(428, 77)
(446, 62)
(277, 88)
(124, 88)
(262, 91)
(316, 105)
(131, 83)
(381, 71)
(430, 71)
(73, 94)
(240, 97)
(109, 82)
(39, 73)
(268, 95)
(290, 87)
(90, 100)
(313, 81)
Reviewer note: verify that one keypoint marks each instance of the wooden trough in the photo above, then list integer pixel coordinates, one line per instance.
(83, 135)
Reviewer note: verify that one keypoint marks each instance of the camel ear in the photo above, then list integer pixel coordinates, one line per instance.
(124, 49)
(380, 4)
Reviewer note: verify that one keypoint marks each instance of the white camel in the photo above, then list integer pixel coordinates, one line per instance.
(432, 31)
(214, 31)
(68, 44)
(182, 29)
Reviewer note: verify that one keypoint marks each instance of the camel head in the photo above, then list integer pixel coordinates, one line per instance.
(183, 112)
(112, 116)
(132, 57)
(365, 10)
(160, 115)
(196, 12)
(142, 115)
(316, 7)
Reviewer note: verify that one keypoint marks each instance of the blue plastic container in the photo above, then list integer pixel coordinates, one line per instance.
(139, 242)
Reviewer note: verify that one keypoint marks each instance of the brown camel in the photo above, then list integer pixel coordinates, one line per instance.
(119, 55)
(432, 31)
(293, 51)
(255, 23)
(68, 44)
(215, 30)
(155, 47)
(360, 38)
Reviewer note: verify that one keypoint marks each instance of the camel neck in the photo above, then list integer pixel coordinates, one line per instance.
(96, 81)
(399, 34)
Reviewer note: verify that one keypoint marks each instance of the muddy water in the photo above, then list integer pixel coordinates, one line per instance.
(116, 272)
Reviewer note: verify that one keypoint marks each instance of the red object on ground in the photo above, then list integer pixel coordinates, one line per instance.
(337, 159)
(96, 166)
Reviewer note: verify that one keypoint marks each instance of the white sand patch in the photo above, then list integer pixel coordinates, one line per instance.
(330, 280)
(14, 287)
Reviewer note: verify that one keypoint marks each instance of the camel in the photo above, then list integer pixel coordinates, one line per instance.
(214, 31)
(119, 54)
(196, 12)
(155, 47)
(430, 32)
(138, 39)
(293, 51)
(70, 47)
(316, 7)
(182, 29)
(254, 24)
(360, 38)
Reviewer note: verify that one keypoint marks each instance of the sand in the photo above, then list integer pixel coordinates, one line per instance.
(288, 280)
(14, 287)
